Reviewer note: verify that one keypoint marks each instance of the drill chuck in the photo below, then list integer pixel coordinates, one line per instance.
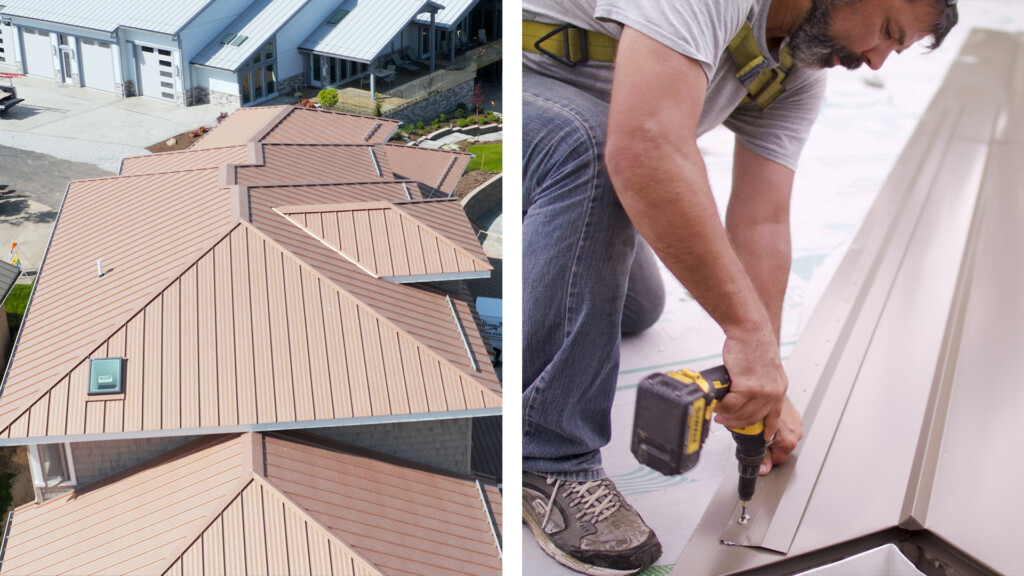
(751, 450)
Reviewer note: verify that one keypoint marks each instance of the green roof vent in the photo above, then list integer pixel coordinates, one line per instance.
(106, 376)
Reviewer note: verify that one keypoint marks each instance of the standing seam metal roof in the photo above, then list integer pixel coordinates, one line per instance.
(253, 504)
(258, 23)
(367, 31)
(193, 278)
(109, 15)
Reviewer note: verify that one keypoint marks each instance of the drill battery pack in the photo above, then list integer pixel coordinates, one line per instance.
(671, 421)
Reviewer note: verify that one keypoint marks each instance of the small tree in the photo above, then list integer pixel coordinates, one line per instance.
(378, 107)
(328, 97)
(477, 101)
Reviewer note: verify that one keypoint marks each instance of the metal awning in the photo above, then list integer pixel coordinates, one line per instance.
(908, 372)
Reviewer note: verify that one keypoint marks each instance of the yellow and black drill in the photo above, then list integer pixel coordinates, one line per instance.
(673, 414)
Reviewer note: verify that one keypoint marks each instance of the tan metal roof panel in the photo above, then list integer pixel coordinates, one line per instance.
(389, 241)
(207, 508)
(406, 519)
(241, 127)
(133, 225)
(922, 310)
(184, 160)
(315, 126)
(260, 338)
(421, 312)
(316, 164)
(181, 266)
(437, 169)
(132, 522)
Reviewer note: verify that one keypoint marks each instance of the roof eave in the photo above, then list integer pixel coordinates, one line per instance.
(267, 427)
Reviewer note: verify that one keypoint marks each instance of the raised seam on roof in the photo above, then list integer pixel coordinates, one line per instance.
(444, 175)
(491, 520)
(376, 164)
(373, 130)
(462, 333)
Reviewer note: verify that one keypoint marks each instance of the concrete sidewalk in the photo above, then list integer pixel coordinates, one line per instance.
(85, 125)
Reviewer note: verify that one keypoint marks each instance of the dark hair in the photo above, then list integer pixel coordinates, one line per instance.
(943, 23)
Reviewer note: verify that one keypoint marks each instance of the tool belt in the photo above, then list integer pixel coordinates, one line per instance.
(571, 45)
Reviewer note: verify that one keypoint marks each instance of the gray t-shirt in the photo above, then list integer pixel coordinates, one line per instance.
(700, 29)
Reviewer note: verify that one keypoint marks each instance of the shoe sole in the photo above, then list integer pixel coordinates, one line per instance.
(564, 559)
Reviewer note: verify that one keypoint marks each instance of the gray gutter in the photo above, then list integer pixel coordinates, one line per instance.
(908, 373)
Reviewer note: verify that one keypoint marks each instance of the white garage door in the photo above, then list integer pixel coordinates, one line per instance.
(97, 65)
(7, 40)
(38, 52)
(156, 72)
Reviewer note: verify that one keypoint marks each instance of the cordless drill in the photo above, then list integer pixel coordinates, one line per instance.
(673, 414)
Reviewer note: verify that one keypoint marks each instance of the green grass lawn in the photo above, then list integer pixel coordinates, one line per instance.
(16, 304)
(488, 157)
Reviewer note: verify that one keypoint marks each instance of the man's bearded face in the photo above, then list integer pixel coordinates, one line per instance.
(814, 47)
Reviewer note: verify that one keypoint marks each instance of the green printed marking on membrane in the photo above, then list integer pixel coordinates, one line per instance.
(657, 570)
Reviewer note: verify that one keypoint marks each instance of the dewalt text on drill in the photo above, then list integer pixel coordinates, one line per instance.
(673, 414)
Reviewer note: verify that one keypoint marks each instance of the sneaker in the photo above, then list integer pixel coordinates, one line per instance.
(588, 526)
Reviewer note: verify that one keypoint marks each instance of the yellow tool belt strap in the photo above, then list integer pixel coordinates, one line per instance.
(568, 44)
(763, 83)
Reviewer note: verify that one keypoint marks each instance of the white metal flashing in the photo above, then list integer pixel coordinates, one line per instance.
(911, 360)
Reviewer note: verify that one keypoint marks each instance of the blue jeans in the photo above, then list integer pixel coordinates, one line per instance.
(581, 267)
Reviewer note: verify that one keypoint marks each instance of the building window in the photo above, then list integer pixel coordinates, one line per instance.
(50, 465)
(258, 80)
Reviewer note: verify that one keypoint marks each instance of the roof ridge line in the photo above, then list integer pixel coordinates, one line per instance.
(355, 183)
(309, 517)
(376, 205)
(371, 309)
(120, 322)
(444, 237)
(215, 510)
(432, 150)
(324, 242)
(149, 175)
(283, 112)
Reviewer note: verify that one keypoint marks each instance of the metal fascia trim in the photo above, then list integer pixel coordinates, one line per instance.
(491, 520)
(270, 427)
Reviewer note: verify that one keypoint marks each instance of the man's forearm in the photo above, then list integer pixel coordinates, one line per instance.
(658, 173)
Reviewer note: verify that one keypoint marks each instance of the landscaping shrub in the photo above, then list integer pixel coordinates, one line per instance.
(328, 97)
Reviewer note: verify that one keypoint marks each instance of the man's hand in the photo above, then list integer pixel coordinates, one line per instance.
(791, 430)
(758, 382)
